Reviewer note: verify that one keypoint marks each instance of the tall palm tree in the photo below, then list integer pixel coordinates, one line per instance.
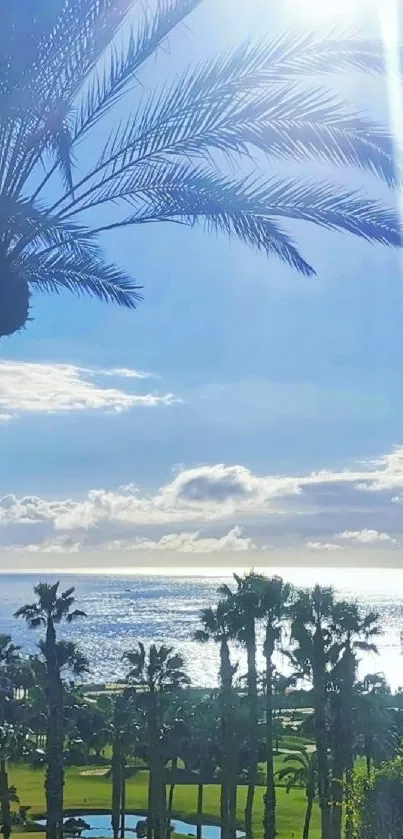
(355, 633)
(49, 610)
(275, 602)
(245, 609)
(159, 671)
(311, 629)
(63, 71)
(217, 626)
(300, 770)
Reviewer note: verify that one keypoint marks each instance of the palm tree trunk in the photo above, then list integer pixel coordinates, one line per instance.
(225, 703)
(199, 828)
(150, 820)
(349, 807)
(232, 820)
(338, 751)
(321, 739)
(153, 791)
(233, 773)
(160, 798)
(174, 767)
(123, 802)
(270, 796)
(5, 800)
(307, 821)
(54, 781)
(116, 786)
(348, 698)
(368, 752)
(253, 731)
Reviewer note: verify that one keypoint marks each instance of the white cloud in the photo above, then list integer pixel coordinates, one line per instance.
(28, 387)
(366, 537)
(185, 542)
(323, 546)
(124, 373)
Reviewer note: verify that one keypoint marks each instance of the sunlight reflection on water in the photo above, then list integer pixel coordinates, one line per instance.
(124, 609)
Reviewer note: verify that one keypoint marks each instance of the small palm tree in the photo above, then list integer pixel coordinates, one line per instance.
(378, 735)
(217, 627)
(14, 745)
(301, 770)
(355, 633)
(120, 730)
(48, 611)
(158, 671)
(198, 747)
(62, 72)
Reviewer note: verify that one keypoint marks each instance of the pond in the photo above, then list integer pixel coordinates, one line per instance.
(101, 826)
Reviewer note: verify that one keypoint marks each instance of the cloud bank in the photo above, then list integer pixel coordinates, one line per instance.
(221, 508)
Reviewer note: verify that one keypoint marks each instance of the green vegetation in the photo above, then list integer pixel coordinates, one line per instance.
(230, 755)
(92, 792)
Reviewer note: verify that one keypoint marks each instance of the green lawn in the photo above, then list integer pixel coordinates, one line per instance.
(86, 792)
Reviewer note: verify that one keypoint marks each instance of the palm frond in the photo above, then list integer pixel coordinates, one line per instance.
(197, 116)
(122, 65)
(247, 209)
(169, 193)
(81, 274)
(313, 53)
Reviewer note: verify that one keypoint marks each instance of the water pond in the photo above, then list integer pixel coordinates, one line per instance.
(101, 826)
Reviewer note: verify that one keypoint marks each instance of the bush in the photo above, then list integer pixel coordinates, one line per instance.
(378, 802)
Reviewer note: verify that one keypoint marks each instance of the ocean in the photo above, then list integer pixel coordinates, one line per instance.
(122, 609)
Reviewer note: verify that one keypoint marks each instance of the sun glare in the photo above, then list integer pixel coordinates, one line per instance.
(322, 10)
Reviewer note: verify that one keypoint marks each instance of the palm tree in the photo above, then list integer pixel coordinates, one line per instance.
(355, 634)
(120, 730)
(49, 610)
(300, 770)
(377, 730)
(198, 747)
(311, 629)
(62, 73)
(159, 671)
(275, 602)
(10, 664)
(245, 609)
(217, 627)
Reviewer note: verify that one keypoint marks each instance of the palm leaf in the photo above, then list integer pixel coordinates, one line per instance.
(82, 275)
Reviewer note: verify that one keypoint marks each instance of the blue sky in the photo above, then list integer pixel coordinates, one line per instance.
(254, 375)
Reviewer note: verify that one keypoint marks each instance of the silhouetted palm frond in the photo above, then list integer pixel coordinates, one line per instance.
(65, 67)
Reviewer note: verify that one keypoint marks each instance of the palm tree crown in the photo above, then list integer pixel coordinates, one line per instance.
(63, 71)
(160, 669)
(50, 606)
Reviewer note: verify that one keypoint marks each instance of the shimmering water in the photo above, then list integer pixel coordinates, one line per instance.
(124, 609)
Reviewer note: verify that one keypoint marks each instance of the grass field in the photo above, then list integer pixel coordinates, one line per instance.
(87, 792)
